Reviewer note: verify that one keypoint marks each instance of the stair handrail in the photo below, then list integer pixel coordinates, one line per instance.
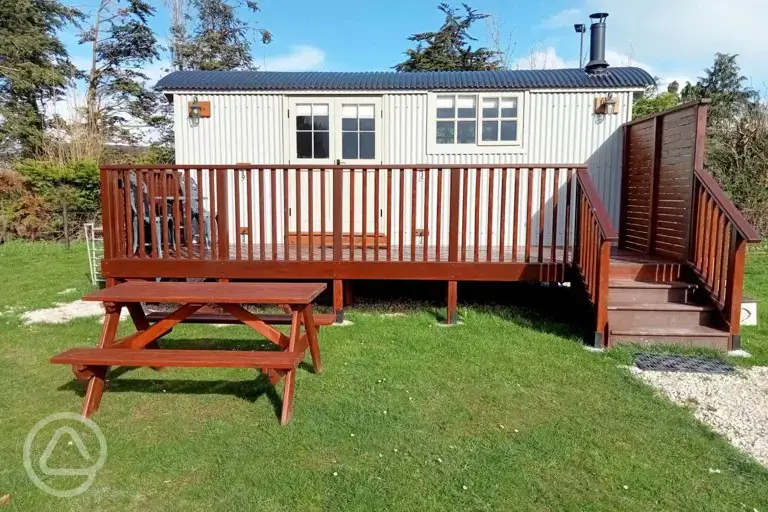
(609, 231)
(592, 255)
(741, 224)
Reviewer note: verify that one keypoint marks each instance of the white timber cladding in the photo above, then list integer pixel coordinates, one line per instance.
(556, 127)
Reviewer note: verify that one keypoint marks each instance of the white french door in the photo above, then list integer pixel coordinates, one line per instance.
(325, 131)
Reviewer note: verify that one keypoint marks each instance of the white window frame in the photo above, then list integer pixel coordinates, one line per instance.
(496, 147)
(481, 118)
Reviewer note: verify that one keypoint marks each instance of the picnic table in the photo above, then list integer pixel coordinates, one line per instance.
(142, 349)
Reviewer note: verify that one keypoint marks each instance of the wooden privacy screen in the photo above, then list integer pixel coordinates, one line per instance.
(660, 155)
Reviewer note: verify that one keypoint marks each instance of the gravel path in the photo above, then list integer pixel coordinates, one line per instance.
(734, 405)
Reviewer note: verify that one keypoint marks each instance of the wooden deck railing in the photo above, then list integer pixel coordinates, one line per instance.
(462, 214)
(595, 234)
(719, 237)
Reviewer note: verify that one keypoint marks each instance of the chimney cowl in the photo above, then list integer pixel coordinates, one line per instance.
(597, 63)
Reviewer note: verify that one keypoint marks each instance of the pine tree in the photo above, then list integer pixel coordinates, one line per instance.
(34, 68)
(449, 48)
(214, 37)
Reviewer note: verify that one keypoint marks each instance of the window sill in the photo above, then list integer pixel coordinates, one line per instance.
(475, 149)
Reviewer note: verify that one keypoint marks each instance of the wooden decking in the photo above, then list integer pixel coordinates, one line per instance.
(281, 252)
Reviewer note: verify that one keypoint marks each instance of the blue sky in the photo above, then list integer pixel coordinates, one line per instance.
(673, 39)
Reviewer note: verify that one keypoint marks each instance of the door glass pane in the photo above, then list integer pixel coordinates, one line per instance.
(490, 131)
(322, 145)
(465, 132)
(303, 144)
(509, 130)
(367, 125)
(349, 124)
(445, 131)
(320, 122)
(349, 145)
(303, 122)
(367, 145)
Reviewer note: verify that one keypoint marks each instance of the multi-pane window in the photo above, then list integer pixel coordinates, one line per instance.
(478, 119)
(313, 136)
(358, 131)
(499, 119)
(456, 119)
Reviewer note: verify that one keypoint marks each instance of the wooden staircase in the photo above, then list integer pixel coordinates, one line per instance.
(650, 302)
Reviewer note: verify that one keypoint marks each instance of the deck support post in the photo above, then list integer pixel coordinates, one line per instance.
(338, 300)
(451, 317)
(733, 288)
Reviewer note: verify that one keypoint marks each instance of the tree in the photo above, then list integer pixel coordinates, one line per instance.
(449, 49)
(122, 45)
(215, 37)
(34, 68)
(653, 101)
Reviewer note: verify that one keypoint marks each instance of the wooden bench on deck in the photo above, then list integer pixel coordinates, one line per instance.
(141, 348)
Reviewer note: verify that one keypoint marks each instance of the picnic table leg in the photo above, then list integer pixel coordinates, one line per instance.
(141, 323)
(96, 383)
(311, 331)
(290, 378)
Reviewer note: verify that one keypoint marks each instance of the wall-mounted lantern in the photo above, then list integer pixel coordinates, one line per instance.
(607, 105)
(197, 110)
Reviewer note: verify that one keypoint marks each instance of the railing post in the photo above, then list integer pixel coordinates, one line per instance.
(453, 219)
(106, 213)
(601, 301)
(658, 132)
(699, 151)
(338, 200)
(624, 185)
(222, 217)
(734, 287)
(577, 223)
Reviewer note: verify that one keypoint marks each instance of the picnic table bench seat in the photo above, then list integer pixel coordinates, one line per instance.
(141, 348)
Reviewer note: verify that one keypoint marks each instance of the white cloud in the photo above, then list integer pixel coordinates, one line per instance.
(564, 18)
(544, 58)
(680, 37)
(300, 58)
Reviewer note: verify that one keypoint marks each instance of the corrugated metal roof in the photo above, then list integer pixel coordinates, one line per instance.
(620, 77)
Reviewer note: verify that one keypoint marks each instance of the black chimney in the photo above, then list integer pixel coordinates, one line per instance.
(597, 63)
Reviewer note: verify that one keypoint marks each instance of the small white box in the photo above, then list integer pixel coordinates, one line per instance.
(748, 311)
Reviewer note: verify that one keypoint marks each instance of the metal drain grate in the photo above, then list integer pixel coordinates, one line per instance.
(677, 363)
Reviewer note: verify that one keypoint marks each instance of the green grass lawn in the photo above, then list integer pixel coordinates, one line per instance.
(506, 412)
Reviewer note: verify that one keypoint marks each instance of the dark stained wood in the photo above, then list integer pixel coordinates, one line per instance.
(439, 216)
(542, 210)
(451, 316)
(200, 210)
(555, 198)
(221, 318)
(286, 216)
(179, 358)
(364, 206)
(390, 212)
(453, 218)
(516, 209)
(299, 201)
(401, 215)
(323, 213)
(427, 182)
(489, 220)
(503, 214)
(214, 213)
(338, 222)
(236, 193)
(464, 212)
(273, 218)
(152, 195)
(311, 211)
(376, 214)
(204, 293)
(351, 210)
(414, 173)
(528, 216)
(477, 215)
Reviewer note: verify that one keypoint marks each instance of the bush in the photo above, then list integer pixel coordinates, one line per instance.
(75, 184)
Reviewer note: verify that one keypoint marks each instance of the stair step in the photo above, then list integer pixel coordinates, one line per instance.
(646, 271)
(630, 283)
(660, 306)
(695, 336)
(627, 290)
(641, 314)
